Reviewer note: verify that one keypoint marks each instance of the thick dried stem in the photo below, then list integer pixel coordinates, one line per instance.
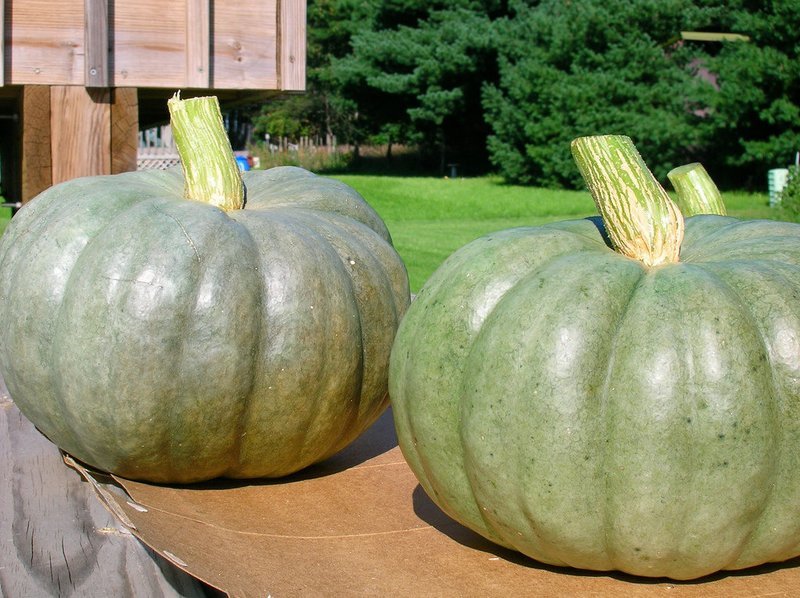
(209, 167)
(641, 220)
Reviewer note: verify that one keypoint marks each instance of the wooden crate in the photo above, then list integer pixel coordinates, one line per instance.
(201, 44)
(82, 76)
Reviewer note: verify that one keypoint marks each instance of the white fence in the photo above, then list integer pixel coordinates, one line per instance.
(304, 144)
(156, 149)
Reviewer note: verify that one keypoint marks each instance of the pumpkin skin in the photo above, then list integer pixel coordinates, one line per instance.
(570, 403)
(163, 339)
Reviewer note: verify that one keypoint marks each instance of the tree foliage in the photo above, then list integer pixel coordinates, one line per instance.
(789, 205)
(323, 109)
(569, 69)
(755, 112)
(507, 84)
(420, 71)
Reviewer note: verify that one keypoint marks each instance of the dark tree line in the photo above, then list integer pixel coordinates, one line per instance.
(504, 86)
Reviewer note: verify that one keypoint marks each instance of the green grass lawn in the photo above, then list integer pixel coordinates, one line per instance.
(429, 218)
(5, 217)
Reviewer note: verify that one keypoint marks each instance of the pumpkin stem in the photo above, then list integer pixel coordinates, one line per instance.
(696, 192)
(210, 171)
(642, 221)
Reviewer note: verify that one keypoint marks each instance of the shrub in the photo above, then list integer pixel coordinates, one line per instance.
(313, 159)
(790, 196)
(589, 68)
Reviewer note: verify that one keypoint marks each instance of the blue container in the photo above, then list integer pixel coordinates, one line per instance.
(243, 164)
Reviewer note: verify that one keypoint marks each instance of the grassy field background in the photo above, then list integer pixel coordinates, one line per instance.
(5, 217)
(429, 218)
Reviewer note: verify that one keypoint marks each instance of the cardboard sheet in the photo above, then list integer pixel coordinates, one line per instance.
(360, 525)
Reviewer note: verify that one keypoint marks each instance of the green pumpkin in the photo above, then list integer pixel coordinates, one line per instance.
(167, 340)
(588, 410)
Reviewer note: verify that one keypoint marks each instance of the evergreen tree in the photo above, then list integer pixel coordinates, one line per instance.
(586, 67)
(417, 75)
(322, 109)
(754, 120)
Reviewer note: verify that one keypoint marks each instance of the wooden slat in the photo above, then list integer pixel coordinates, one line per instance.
(2, 43)
(37, 167)
(292, 45)
(124, 129)
(148, 51)
(80, 121)
(96, 43)
(198, 43)
(232, 45)
(241, 49)
(47, 40)
(245, 51)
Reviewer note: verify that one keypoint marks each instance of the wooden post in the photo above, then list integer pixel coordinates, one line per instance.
(36, 161)
(71, 131)
(96, 43)
(198, 43)
(124, 129)
(80, 122)
(92, 131)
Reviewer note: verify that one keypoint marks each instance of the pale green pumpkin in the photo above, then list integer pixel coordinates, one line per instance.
(571, 402)
(165, 339)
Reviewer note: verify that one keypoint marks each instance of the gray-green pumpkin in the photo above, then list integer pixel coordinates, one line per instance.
(165, 339)
(570, 402)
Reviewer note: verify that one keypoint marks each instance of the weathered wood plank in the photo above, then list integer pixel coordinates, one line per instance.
(56, 538)
(2, 44)
(47, 42)
(37, 165)
(148, 51)
(234, 43)
(198, 43)
(80, 121)
(244, 42)
(292, 45)
(96, 43)
(124, 129)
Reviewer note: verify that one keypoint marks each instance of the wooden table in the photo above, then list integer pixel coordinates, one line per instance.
(357, 525)
(57, 539)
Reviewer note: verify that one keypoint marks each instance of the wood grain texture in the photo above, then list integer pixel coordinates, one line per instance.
(47, 44)
(239, 44)
(124, 129)
(244, 44)
(148, 51)
(198, 43)
(56, 538)
(80, 123)
(96, 43)
(37, 166)
(292, 44)
(2, 44)
(219, 44)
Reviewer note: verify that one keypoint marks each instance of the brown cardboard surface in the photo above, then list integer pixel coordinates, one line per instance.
(360, 525)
